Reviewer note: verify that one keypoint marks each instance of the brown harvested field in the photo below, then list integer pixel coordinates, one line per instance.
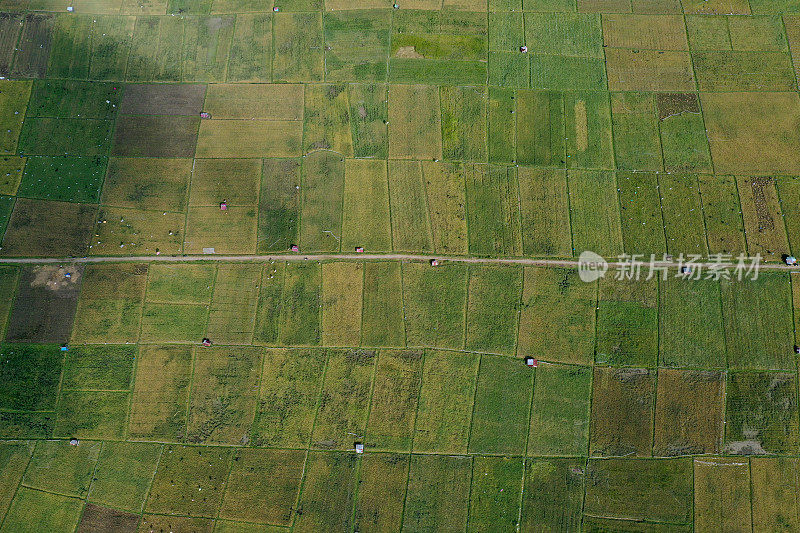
(33, 50)
(10, 26)
(622, 412)
(163, 99)
(44, 308)
(764, 228)
(753, 133)
(659, 32)
(155, 136)
(689, 417)
(39, 227)
(279, 101)
(669, 104)
(97, 518)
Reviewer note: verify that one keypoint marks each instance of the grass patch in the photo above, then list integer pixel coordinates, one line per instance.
(123, 474)
(544, 209)
(173, 322)
(382, 316)
(365, 220)
(279, 205)
(234, 181)
(92, 415)
(415, 130)
(463, 123)
(493, 211)
(446, 402)
(502, 399)
(99, 367)
(627, 323)
(369, 116)
(224, 394)
(300, 317)
(299, 55)
(49, 511)
(381, 491)
(125, 232)
(688, 417)
(411, 227)
(356, 44)
(344, 405)
(622, 412)
(58, 467)
(724, 224)
(557, 318)
(147, 183)
(492, 309)
(326, 122)
(552, 484)
(438, 493)
(342, 289)
(231, 317)
(328, 491)
(434, 300)
(233, 231)
(594, 207)
(323, 192)
(640, 213)
(445, 195)
(183, 284)
(560, 415)
(161, 393)
(393, 409)
(287, 400)
(30, 376)
(270, 304)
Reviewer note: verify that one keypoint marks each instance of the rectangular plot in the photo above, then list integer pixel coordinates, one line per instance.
(758, 322)
(70, 179)
(187, 283)
(622, 412)
(722, 494)
(234, 181)
(557, 319)
(502, 403)
(761, 413)
(722, 212)
(774, 497)
(463, 123)
(394, 401)
(250, 57)
(249, 138)
(763, 220)
(91, 415)
(501, 125)
(45, 303)
(434, 300)
(173, 322)
(254, 100)
(9, 276)
(328, 491)
(34, 46)
(552, 494)
(66, 136)
(382, 482)
(446, 402)
(365, 221)
(233, 306)
(544, 207)
(649, 70)
(50, 511)
(683, 217)
(300, 317)
(640, 489)
(439, 71)
(298, 48)
(134, 231)
(69, 57)
(411, 227)
(342, 289)
(572, 34)
(492, 308)
(595, 212)
(270, 304)
(163, 99)
(560, 414)
(224, 394)
(27, 424)
(660, 32)
(156, 49)
(493, 210)
(540, 128)
(788, 190)
(10, 27)
(323, 189)
(30, 228)
(14, 96)
(640, 212)
(156, 136)
(142, 183)
(111, 43)
(356, 44)
(342, 415)
(279, 204)
(161, 393)
(744, 71)
(683, 134)
(263, 485)
(287, 399)
(123, 474)
(438, 493)
(30, 376)
(415, 130)
(383, 321)
(99, 367)
(445, 195)
(688, 416)
(206, 44)
(369, 116)
(637, 145)
(495, 492)
(573, 73)
(326, 124)
(691, 335)
(627, 322)
(587, 119)
(509, 70)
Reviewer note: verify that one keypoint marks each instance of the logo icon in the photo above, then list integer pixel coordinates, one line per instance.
(591, 266)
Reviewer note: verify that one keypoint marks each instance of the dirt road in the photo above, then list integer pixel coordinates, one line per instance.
(298, 257)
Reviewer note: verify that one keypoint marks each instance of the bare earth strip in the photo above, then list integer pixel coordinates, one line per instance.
(555, 263)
